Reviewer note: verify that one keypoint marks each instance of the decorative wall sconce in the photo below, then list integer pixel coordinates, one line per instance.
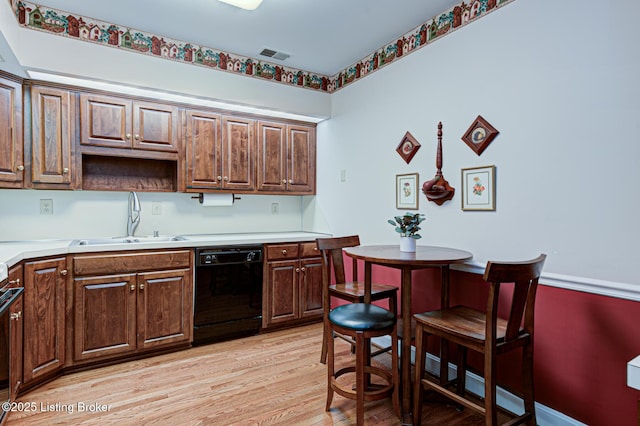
(438, 189)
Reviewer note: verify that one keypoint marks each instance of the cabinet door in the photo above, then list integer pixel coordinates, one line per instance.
(105, 121)
(301, 158)
(155, 127)
(203, 150)
(311, 287)
(53, 134)
(44, 304)
(104, 316)
(282, 292)
(11, 147)
(272, 156)
(17, 326)
(165, 308)
(238, 147)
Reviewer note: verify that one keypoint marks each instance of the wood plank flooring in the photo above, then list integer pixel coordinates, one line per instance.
(270, 379)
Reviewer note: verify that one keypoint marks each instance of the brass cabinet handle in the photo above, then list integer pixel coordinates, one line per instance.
(16, 281)
(64, 272)
(142, 286)
(16, 315)
(20, 168)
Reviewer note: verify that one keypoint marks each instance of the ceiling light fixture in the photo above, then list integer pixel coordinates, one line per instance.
(244, 4)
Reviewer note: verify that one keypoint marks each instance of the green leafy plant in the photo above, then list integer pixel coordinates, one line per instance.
(407, 225)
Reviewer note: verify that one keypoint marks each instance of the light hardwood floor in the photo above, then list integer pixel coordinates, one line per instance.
(270, 379)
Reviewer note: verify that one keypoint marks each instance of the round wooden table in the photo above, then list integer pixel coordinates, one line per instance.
(424, 257)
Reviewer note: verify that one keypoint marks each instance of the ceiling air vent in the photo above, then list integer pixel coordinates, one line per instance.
(270, 53)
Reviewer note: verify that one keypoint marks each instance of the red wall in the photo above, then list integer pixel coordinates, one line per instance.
(582, 344)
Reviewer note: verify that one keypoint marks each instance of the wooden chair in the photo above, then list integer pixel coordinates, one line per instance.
(362, 322)
(486, 333)
(352, 291)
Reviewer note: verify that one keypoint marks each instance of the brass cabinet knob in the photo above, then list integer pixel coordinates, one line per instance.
(137, 137)
(219, 177)
(132, 287)
(284, 181)
(16, 281)
(226, 178)
(142, 286)
(64, 272)
(290, 180)
(297, 269)
(284, 251)
(128, 135)
(20, 168)
(65, 170)
(303, 269)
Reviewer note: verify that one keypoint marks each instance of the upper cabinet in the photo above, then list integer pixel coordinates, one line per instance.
(286, 158)
(11, 150)
(220, 152)
(113, 122)
(53, 135)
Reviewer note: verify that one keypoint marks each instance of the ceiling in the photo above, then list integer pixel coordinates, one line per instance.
(322, 37)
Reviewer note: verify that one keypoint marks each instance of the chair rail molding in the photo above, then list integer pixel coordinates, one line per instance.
(570, 282)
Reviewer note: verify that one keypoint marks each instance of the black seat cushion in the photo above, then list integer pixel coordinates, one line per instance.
(362, 316)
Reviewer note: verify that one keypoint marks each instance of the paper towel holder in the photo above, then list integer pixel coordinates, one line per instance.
(200, 197)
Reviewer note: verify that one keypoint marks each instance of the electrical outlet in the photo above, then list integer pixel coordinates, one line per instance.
(46, 206)
(156, 208)
(275, 208)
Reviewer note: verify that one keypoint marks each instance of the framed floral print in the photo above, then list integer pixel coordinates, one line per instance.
(407, 191)
(479, 188)
(479, 135)
(408, 147)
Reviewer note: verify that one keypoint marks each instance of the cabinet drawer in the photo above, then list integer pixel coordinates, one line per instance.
(309, 249)
(282, 251)
(100, 264)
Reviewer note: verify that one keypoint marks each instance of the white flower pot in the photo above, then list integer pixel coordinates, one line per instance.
(408, 244)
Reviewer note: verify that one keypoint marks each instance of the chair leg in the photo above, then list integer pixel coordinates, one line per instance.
(491, 413)
(419, 374)
(330, 370)
(527, 383)
(360, 377)
(325, 337)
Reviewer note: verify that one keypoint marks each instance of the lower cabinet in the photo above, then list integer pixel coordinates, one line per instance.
(293, 284)
(44, 318)
(129, 303)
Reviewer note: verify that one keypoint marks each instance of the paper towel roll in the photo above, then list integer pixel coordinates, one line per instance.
(217, 200)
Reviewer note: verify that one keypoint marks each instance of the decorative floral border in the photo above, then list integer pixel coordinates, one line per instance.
(43, 18)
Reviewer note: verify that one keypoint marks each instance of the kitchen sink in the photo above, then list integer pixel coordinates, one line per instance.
(125, 240)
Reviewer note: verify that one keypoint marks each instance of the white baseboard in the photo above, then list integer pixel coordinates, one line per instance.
(545, 416)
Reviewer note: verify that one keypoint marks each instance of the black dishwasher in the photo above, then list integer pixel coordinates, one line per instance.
(228, 293)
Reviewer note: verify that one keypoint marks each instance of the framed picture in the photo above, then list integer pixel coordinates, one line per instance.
(479, 188)
(408, 147)
(407, 191)
(479, 135)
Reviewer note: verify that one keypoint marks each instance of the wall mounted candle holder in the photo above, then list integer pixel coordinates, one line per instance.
(438, 189)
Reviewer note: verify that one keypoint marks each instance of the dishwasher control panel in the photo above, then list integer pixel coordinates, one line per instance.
(228, 255)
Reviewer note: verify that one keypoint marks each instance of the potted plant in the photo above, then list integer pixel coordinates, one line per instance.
(407, 226)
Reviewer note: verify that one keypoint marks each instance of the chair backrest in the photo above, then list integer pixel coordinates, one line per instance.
(331, 249)
(525, 277)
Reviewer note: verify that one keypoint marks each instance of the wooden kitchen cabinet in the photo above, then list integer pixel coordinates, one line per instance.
(219, 152)
(11, 140)
(53, 134)
(115, 122)
(293, 284)
(44, 318)
(130, 302)
(286, 158)
(17, 327)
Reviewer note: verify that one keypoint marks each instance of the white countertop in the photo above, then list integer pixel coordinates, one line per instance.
(633, 373)
(12, 252)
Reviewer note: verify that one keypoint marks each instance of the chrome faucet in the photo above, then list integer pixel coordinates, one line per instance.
(134, 214)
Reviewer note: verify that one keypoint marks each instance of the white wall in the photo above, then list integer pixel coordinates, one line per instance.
(88, 214)
(559, 81)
